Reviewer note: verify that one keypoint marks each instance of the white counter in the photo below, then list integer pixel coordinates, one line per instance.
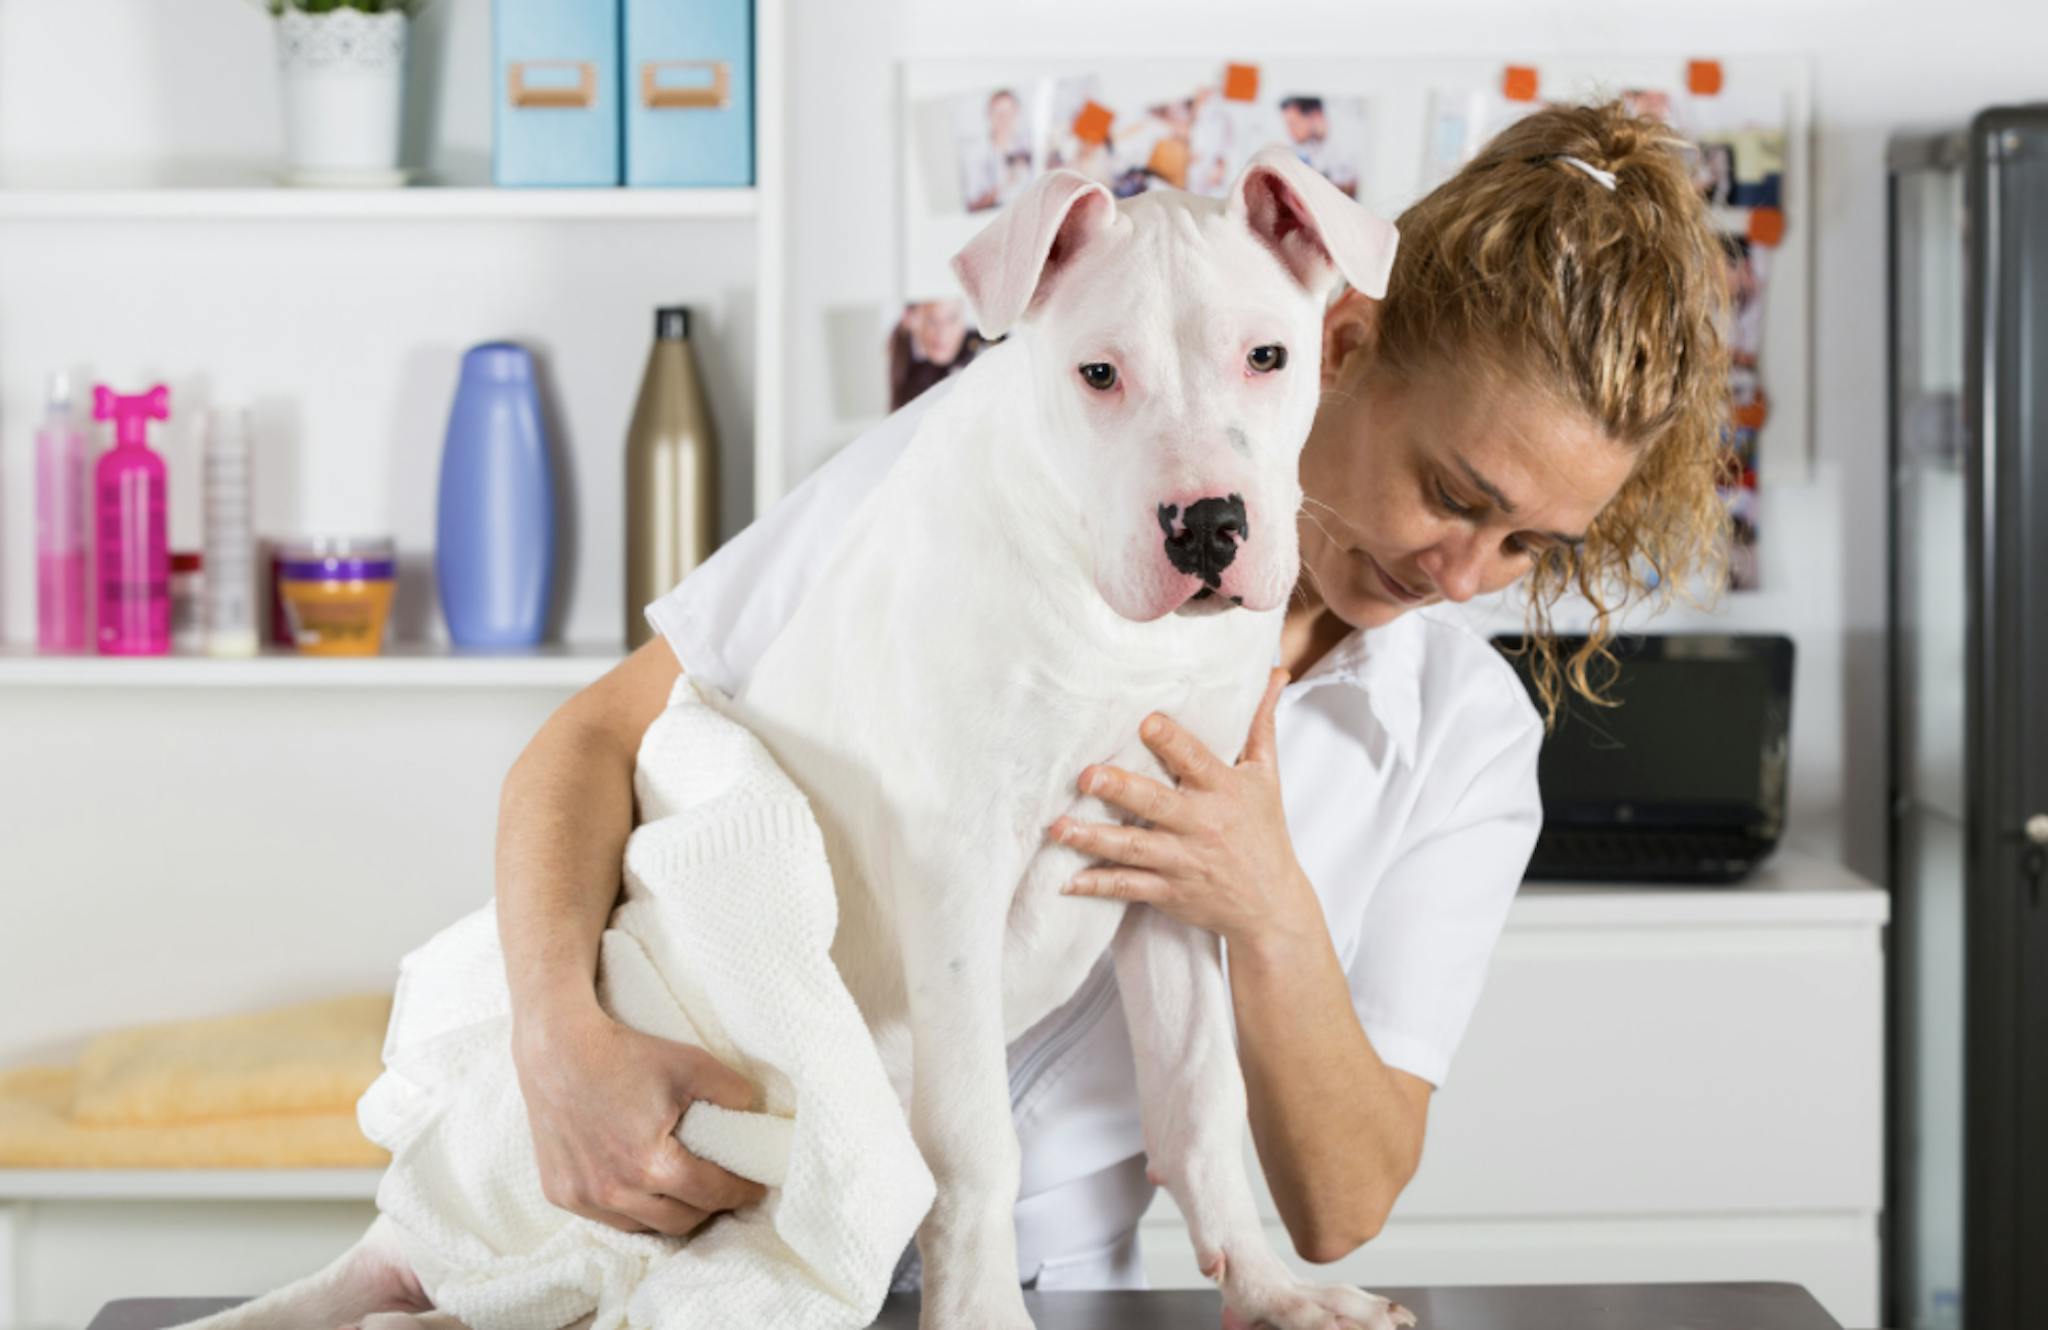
(1660, 1083)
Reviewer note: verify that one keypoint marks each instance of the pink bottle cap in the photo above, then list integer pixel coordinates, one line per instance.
(131, 415)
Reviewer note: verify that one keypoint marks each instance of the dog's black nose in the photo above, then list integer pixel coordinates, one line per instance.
(1208, 536)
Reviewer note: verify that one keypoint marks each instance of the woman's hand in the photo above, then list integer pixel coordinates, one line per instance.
(1217, 854)
(603, 1101)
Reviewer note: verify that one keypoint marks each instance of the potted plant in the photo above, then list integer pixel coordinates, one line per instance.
(341, 64)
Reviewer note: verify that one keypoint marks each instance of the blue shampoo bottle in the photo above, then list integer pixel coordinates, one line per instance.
(494, 555)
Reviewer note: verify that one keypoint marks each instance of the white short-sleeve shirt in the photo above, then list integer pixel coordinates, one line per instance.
(1408, 775)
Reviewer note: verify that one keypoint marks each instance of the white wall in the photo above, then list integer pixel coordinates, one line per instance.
(1877, 67)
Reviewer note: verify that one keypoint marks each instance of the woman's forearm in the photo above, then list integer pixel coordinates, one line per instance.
(564, 813)
(1337, 1136)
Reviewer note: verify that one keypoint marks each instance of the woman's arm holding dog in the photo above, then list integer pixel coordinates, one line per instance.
(1339, 1133)
(602, 1098)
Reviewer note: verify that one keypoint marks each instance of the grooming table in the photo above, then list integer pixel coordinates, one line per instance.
(1500, 1307)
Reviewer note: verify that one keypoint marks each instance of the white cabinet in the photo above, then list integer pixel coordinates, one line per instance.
(1659, 1084)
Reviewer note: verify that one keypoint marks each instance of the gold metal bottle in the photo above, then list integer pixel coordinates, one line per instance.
(671, 474)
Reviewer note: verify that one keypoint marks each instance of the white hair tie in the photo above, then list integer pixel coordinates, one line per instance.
(1604, 177)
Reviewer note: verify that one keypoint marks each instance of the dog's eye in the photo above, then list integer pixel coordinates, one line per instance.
(1266, 359)
(1099, 376)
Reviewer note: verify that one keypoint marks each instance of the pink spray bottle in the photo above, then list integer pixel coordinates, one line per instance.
(131, 525)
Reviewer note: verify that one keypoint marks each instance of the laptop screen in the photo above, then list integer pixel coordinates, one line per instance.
(1697, 738)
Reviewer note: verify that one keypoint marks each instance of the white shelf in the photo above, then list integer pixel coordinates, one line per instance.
(415, 666)
(188, 1184)
(419, 203)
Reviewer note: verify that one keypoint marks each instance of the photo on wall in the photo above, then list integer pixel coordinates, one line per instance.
(1329, 134)
(1459, 122)
(993, 132)
(1390, 128)
(1737, 163)
(999, 138)
(928, 341)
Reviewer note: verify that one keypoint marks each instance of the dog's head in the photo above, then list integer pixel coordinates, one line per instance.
(1173, 344)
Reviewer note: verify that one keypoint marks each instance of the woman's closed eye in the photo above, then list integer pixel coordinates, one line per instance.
(1450, 503)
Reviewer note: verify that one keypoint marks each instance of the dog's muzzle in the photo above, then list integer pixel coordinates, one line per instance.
(1203, 541)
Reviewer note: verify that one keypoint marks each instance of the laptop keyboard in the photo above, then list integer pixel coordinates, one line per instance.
(1568, 853)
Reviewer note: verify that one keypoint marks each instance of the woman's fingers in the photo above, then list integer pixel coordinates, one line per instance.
(1156, 803)
(1137, 847)
(603, 1107)
(1137, 885)
(1185, 756)
(642, 1213)
(697, 1182)
(702, 1076)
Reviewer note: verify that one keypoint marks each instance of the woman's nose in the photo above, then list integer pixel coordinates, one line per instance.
(1457, 567)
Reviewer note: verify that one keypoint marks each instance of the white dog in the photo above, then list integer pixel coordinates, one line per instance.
(1057, 553)
(1096, 523)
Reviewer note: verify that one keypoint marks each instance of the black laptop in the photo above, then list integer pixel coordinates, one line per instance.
(1684, 779)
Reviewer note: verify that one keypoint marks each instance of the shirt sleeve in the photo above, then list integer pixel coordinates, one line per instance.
(721, 617)
(1430, 928)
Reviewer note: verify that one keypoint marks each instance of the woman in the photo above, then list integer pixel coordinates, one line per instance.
(1538, 399)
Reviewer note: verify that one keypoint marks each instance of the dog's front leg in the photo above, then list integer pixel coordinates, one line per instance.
(1192, 1099)
(960, 1102)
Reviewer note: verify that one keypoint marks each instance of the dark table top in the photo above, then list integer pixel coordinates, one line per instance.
(1494, 1307)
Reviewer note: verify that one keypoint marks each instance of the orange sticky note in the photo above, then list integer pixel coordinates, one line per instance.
(1703, 77)
(1240, 83)
(1091, 123)
(1518, 83)
(1766, 227)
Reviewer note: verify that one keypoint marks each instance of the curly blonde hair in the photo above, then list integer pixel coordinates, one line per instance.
(1613, 302)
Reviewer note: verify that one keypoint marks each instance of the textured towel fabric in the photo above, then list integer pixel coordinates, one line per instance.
(315, 1057)
(723, 939)
(38, 1131)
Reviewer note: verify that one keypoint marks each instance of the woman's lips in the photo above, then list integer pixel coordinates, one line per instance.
(1395, 589)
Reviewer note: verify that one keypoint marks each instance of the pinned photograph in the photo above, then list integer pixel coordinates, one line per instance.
(1713, 172)
(931, 340)
(1152, 148)
(1330, 136)
(1747, 269)
(995, 146)
(1459, 124)
(1758, 155)
(1079, 138)
(1651, 104)
(1223, 134)
(1739, 495)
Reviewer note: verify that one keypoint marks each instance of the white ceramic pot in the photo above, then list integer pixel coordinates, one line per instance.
(343, 75)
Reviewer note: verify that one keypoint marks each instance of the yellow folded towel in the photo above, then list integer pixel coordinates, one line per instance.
(315, 1057)
(36, 1131)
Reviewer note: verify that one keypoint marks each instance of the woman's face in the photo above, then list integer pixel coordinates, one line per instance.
(1438, 489)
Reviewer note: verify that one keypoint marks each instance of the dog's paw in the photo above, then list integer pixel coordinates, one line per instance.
(1291, 1305)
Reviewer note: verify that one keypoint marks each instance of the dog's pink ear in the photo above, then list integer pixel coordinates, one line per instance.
(1005, 266)
(1314, 228)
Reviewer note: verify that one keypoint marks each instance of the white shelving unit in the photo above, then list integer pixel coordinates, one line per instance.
(220, 835)
(419, 203)
(415, 666)
(189, 1184)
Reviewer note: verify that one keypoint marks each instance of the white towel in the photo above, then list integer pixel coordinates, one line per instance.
(722, 940)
